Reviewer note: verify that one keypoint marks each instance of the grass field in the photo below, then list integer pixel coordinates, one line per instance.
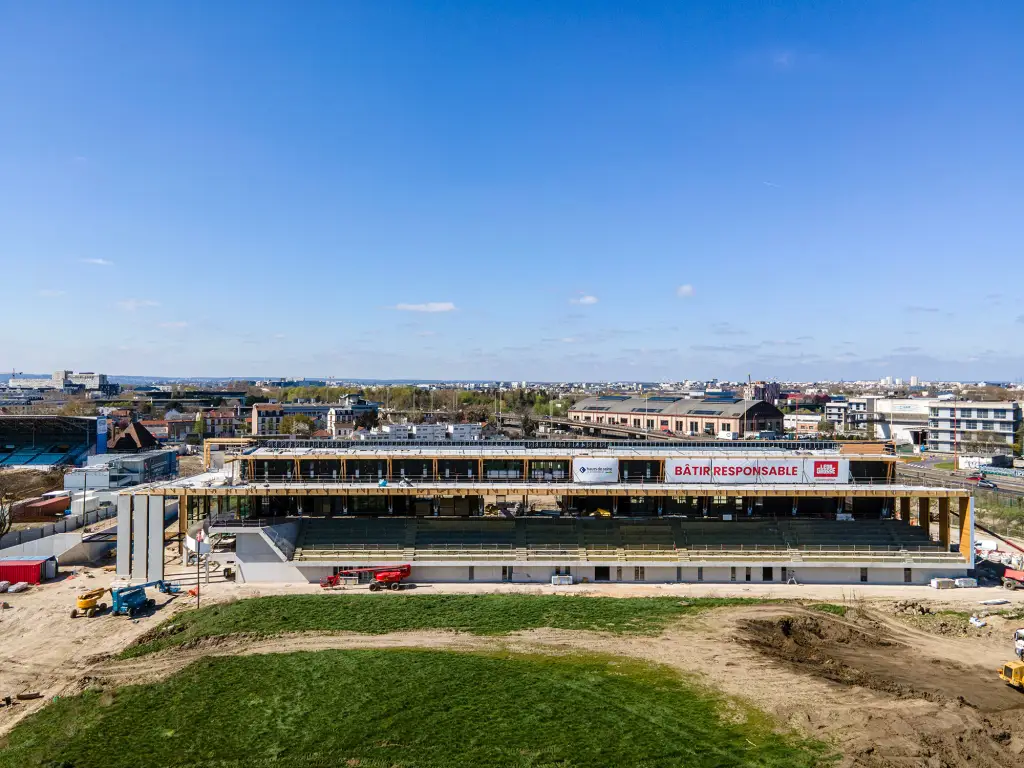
(947, 465)
(404, 709)
(378, 614)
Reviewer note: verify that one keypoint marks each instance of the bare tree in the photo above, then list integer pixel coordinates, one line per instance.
(7, 498)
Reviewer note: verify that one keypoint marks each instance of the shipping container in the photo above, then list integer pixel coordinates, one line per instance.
(31, 569)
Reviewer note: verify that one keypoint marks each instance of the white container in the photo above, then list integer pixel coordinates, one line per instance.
(943, 584)
(965, 582)
(561, 581)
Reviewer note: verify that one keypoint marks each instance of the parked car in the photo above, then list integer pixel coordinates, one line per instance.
(986, 484)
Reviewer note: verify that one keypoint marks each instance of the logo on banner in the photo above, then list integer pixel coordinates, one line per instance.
(829, 469)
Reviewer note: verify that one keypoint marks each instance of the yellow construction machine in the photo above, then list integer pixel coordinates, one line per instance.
(1012, 673)
(88, 603)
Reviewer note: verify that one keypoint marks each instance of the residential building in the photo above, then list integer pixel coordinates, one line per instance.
(340, 423)
(266, 418)
(960, 425)
(348, 407)
(220, 423)
(802, 424)
(769, 391)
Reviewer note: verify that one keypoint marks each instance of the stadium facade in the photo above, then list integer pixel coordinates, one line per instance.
(524, 512)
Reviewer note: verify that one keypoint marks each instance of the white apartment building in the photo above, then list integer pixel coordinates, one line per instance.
(952, 424)
(340, 423)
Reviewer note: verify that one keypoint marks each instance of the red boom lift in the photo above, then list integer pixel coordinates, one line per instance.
(384, 577)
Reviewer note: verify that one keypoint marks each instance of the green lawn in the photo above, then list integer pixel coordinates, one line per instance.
(404, 709)
(945, 465)
(378, 614)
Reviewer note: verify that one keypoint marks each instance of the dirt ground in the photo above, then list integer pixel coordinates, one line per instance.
(888, 685)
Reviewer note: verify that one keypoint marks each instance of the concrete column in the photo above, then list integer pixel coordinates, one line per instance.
(124, 536)
(944, 522)
(905, 509)
(155, 571)
(924, 514)
(140, 537)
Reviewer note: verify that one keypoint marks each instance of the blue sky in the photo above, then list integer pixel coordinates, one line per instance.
(517, 190)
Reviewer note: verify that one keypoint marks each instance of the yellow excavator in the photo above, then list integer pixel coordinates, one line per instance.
(88, 603)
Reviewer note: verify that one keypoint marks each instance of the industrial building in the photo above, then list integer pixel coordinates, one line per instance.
(708, 416)
(713, 511)
(67, 381)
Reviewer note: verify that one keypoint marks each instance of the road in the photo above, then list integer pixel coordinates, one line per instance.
(1009, 487)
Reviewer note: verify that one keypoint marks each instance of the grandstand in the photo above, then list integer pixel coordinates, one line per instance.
(43, 442)
(620, 512)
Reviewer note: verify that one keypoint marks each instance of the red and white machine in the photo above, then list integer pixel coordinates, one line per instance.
(384, 577)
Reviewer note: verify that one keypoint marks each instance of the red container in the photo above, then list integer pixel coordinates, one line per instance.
(22, 570)
(51, 507)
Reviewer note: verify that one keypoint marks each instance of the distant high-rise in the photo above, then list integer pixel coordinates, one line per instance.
(914, 381)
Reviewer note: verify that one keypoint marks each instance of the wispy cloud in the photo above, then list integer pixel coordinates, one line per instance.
(726, 329)
(685, 291)
(51, 293)
(568, 340)
(906, 350)
(279, 336)
(585, 300)
(771, 184)
(130, 305)
(430, 306)
(918, 309)
(174, 324)
(425, 333)
(98, 262)
(723, 348)
(1020, 319)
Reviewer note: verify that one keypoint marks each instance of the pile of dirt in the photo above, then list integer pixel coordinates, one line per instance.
(912, 607)
(972, 719)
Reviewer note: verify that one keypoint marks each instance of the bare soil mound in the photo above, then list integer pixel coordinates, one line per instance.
(971, 718)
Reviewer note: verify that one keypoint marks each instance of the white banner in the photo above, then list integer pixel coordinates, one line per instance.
(745, 471)
(591, 471)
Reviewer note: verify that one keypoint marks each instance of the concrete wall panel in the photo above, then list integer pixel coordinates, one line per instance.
(155, 544)
(140, 537)
(124, 536)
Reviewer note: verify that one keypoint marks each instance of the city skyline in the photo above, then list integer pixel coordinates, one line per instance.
(532, 192)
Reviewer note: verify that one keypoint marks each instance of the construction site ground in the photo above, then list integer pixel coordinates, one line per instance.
(894, 682)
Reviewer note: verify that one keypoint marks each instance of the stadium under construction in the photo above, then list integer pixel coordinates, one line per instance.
(687, 511)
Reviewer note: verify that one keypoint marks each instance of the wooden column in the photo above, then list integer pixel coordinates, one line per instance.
(944, 522)
(924, 514)
(905, 509)
(966, 537)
